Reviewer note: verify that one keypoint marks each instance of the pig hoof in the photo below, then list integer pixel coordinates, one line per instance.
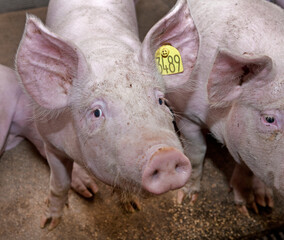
(249, 191)
(53, 222)
(243, 210)
(254, 207)
(53, 211)
(129, 202)
(181, 195)
(84, 189)
(262, 194)
(82, 183)
(131, 206)
(193, 198)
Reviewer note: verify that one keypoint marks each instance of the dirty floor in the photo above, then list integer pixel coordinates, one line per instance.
(24, 178)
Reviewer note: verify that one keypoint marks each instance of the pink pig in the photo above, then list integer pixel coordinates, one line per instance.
(16, 123)
(233, 85)
(97, 101)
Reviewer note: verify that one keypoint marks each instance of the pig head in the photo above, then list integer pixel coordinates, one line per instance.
(232, 85)
(98, 102)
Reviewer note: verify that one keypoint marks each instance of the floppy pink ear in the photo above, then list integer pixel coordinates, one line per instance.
(177, 29)
(47, 65)
(232, 75)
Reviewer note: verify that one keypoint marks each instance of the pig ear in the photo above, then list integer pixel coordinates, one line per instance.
(47, 65)
(177, 29)
(234, 75)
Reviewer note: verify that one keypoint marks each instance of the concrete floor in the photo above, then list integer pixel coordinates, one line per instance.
(24, 178)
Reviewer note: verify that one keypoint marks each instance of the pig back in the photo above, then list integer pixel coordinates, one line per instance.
(240, 26)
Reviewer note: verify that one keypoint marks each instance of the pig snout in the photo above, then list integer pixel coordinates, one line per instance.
(167, 169)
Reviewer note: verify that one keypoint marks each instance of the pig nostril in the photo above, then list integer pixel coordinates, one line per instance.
(179, 168)
(155, 174)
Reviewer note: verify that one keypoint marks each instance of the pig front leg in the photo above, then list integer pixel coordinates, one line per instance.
(249, 190)
(195, 149)
(60, 179)
(82, 183)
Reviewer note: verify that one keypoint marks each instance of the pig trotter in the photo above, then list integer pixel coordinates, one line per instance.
(53, 211)
(263, 194)
(243, 210)
(131, 206)
(82, 183)
(182, 194)
(129, 202)
(53, 222)
(190, 190)
(249, 191)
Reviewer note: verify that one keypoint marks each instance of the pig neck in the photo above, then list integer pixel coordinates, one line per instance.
(96, 26)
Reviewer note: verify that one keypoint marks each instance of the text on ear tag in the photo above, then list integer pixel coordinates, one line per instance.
(168, 60)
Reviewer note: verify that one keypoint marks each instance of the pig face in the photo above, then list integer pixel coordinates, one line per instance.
(255, 137)
(122, 123)
(251, 87)
(121, 129)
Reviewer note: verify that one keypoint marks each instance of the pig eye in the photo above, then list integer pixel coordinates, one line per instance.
(161, 101)
(98, 113)
(269, 119)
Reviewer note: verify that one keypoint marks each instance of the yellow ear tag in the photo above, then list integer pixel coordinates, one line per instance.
(168, 60)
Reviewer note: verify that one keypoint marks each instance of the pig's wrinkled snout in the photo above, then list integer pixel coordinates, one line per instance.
(167, 169)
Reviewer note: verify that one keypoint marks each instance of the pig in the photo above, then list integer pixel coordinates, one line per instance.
(233, 85)
(16, 123)
(97, 102)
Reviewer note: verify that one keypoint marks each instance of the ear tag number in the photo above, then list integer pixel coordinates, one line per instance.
(168, 60)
